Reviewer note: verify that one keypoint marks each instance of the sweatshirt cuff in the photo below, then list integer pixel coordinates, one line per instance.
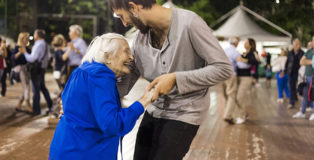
(181, 82)
(138, 108)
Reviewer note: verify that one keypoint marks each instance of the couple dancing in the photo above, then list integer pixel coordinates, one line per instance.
(176, 52)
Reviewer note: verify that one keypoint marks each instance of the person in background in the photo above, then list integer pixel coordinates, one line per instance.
(7, 69)
(268, 75)
(39, 54)
(231, 85)
(245, 79)
(59, 44)
(60, 70)
(292, 67)
(3, 56)
(19, 62)
(76, 49)
(282, 82)
(306, 60)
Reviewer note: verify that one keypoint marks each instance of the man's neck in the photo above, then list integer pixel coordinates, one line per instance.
(74, 38)
(159, 18)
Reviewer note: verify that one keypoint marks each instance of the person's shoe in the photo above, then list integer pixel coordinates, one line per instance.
(290, 106)
(312, 117)
(240, 121)
(299, 115)
(280, 100)
(309, 109)
(229, 121)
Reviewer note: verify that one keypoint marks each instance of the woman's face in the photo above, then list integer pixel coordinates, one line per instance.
(119, 62)
(247, 45)
(26, 40)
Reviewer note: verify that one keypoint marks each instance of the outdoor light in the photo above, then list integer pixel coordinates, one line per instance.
(277, 1)
(31, 38)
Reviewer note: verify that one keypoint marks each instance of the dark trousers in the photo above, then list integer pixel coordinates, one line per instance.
(70, 70)
(38, 84)
(293, 88)
(162, 139)
(3, 81)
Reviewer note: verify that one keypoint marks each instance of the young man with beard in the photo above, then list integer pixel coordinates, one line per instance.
(176, 51)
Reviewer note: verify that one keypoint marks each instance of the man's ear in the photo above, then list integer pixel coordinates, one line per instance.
(134, 8)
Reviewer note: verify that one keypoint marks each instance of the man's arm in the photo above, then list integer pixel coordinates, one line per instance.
(36, 51)
(305, 62)
(218, 67)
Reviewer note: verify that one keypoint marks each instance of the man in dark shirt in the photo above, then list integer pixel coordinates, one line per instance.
(292, 69)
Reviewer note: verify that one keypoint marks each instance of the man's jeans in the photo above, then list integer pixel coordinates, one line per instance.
(163, 139)
(38, 84)
(305, 101)
(293, 88)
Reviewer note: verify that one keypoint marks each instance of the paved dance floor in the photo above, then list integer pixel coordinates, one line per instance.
(269, 134)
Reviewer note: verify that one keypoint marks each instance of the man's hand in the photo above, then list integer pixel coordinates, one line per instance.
(163, 85)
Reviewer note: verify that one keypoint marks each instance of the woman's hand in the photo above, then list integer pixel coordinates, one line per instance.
(147, 97)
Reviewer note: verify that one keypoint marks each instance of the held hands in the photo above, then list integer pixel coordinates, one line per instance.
(162, 85)
(22, 50)
(147, 97)
(71, 46)
(281, 74)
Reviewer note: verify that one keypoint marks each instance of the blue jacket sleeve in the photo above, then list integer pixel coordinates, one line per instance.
(105, 102)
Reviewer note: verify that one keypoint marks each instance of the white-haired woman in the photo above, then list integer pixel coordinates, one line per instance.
(93, 120)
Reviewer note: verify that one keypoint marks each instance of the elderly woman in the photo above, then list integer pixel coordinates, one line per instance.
(93, 119)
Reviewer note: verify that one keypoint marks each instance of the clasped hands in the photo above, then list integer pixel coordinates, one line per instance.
(162, 85)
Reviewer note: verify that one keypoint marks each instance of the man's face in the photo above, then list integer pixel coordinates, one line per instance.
(296, 45)
(72, 34)
(127, 19)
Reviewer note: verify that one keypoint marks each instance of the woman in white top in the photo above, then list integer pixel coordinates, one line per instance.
(282, 82)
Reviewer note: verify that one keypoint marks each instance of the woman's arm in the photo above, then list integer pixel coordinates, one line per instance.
(105, 103)
(65, 56)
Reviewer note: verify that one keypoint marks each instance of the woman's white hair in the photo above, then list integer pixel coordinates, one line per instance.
(101, 45)
(78, 29)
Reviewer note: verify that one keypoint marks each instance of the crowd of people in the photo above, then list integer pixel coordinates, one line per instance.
(28, 66)
(294, 73)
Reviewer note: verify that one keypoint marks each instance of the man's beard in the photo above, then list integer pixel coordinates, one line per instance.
(139, 24)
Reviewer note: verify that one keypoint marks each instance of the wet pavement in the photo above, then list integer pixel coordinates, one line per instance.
(270, 133)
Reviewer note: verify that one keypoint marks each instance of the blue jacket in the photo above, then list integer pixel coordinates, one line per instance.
(93, 119)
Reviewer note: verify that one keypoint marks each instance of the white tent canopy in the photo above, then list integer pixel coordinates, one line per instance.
(239, 24)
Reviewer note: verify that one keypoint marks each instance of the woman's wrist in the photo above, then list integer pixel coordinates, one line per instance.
(143, 102)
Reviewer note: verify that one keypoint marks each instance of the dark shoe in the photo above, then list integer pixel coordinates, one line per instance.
(49, 112)
(229, 121)
(19, 110)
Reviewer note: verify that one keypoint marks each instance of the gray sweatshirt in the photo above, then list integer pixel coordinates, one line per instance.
(194, 54)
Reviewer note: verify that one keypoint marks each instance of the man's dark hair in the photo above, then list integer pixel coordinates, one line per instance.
(252, 44)
(41, 33)
(124, 4)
